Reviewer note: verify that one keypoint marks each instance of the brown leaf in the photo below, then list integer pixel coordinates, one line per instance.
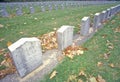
(1, 26)
(53, 74)
(106, 55)
(72, 78)
(9, 43)
(111, 65)
(2, 39)
(80, 80)
(99, 64)
(100, 79)
(21, 32)
(92, 79)
(82, 73)
(80, 52)
(70, 56)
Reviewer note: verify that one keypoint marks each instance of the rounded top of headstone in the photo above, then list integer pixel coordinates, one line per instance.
(21, 42)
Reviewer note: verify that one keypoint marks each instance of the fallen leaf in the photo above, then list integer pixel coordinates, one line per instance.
(1, 26)
(9, 43)
(80, 80)
(104, 35)
(21, 32)
(100, 79)
(82, 73)
(53, 74)
(80, 52)
(99, 64)
(106, 55)
(111, 65)
(70, 56)
(92, 79)
(2, 39)
(72, 78)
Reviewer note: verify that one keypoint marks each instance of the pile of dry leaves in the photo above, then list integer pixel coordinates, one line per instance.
(8, 64)
(49, 41)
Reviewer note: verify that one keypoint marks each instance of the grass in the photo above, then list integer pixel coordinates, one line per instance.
(97, 47)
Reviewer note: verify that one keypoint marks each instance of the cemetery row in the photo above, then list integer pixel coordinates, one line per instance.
(27, 52)
(20, 8)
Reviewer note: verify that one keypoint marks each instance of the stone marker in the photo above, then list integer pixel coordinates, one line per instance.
(42, 8)
(85, 26)
(97, 22)
(26, 54)
(103, 16)
(19, 11)
(32, 10)
(65, 37)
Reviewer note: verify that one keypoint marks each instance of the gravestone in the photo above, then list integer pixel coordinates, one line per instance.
(56, 7)
(85, 26)
(97, 22)
(42, 8)
(108, 13)
(4, 13)
(103, 16)
(19, 11)
(50, 7)
(64, 37)
(32, 10)
(26, 54)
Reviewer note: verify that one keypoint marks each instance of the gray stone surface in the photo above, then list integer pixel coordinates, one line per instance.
(103, 16)
(32, 10)
(19, 11)
(64, 37)
(26, 54)
(85, 26)
(97, 21)
(4, 13)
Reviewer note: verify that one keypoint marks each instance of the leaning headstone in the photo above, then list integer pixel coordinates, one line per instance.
(32, 10)
(65, 37)
(4, 13)
(26, 54)
(97, 22)
(19, 11)
(85, 26)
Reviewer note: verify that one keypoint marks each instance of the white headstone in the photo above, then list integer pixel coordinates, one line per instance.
(26, 54)
(65, 37)
(85, 26)
(97, 22)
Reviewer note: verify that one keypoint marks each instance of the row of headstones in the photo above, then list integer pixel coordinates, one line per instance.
(49, 5)
(27, 52)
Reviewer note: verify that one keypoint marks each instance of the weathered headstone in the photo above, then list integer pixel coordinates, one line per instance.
(19, 11)
(65, 37)
(42, 8)
(32, 10)
(26, 54)
(103, 14)
(85, 26)
(97, 22)
(50, 7)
